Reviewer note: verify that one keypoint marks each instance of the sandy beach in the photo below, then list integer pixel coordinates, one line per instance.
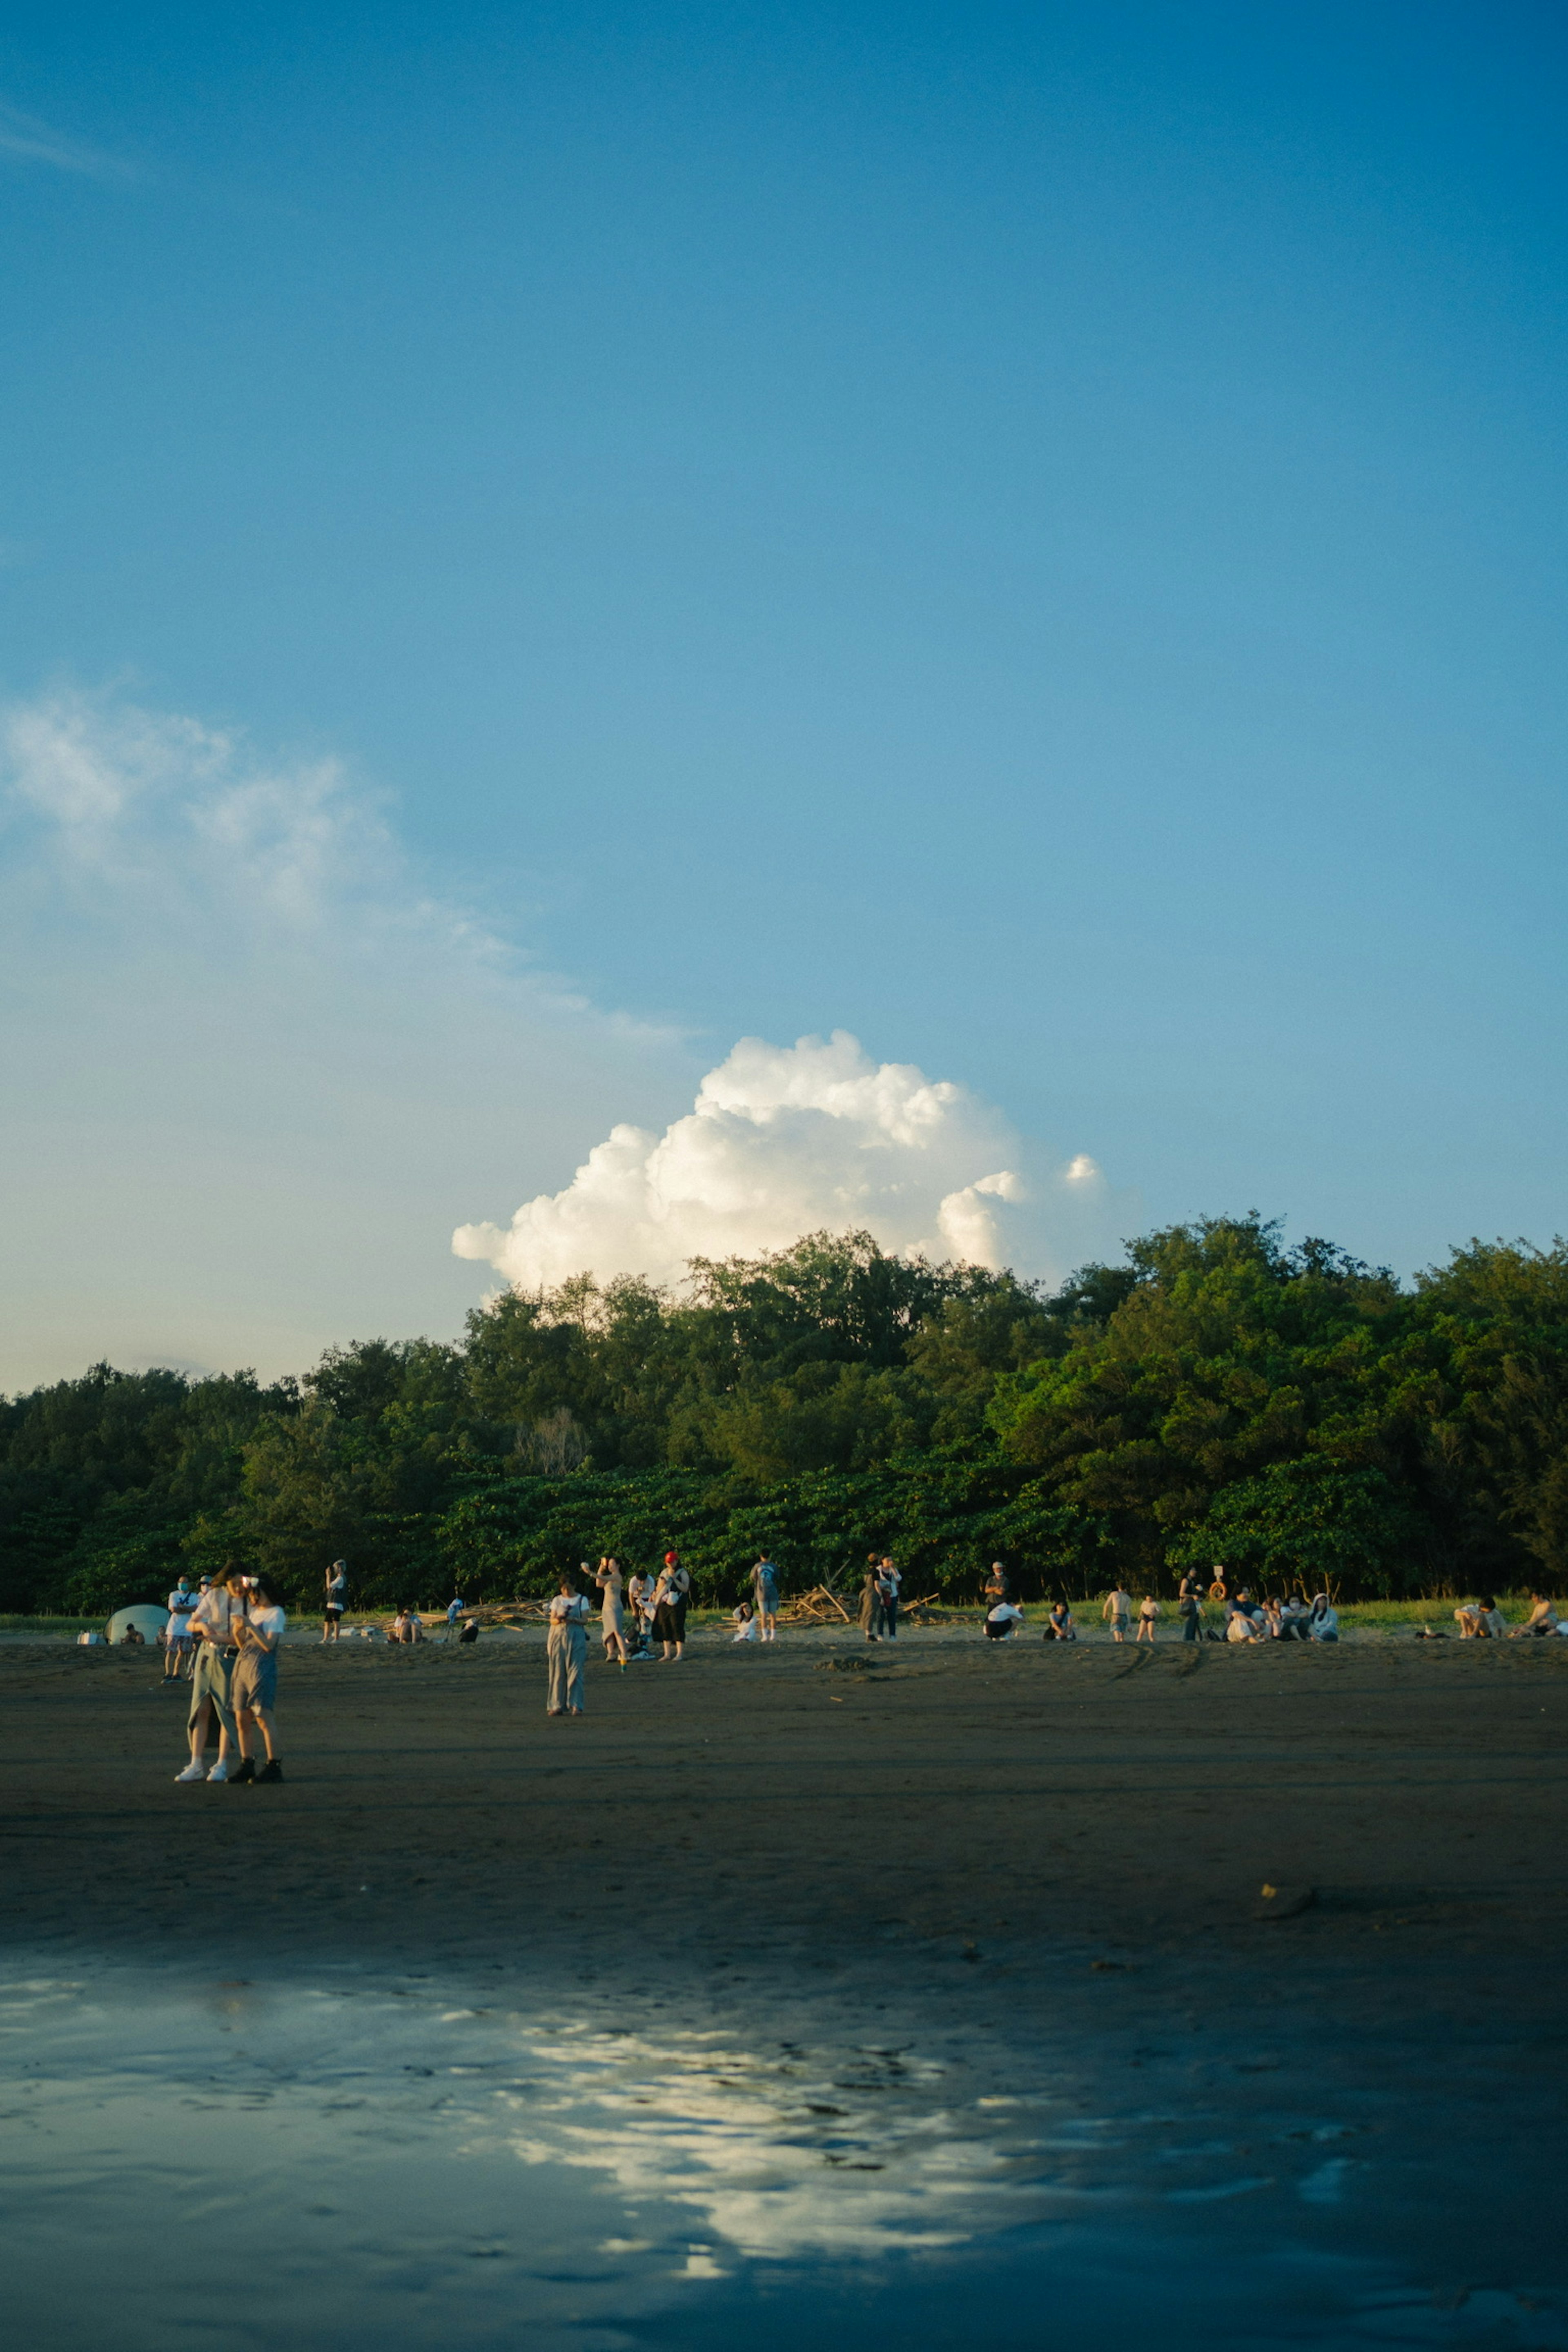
(944, 1813)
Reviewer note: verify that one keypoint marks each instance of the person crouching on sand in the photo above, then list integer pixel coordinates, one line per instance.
(1060, 1626)
(212, 1626)
(566, 1646)
(253, 1685)
(1002, 1619)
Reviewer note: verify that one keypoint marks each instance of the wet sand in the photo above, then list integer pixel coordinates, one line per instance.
(1027, 1867)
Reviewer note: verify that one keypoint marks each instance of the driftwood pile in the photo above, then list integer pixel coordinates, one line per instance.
(817, 1606)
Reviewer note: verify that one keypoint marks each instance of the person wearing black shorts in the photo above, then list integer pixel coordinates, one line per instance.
(337, 1599)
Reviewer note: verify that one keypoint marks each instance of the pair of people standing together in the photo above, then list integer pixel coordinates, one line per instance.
(879, 1599)
(236, 1626)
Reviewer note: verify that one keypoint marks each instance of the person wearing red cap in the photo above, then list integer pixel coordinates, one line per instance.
(669, 1599)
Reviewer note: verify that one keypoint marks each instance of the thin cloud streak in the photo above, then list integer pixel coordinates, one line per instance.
(28, 140)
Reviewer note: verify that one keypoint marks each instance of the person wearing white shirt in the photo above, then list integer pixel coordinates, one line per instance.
(212, 1626)
(177, 1632)
(565, 1648)
(744, 1622)
(1003, 1621)
(1323, 1619)
(253, 1685)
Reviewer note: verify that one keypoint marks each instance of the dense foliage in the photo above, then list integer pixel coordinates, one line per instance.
(1219, 1397)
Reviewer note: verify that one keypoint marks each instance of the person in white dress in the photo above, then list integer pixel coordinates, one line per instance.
(612, 1616)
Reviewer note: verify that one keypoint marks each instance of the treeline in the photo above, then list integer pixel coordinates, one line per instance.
(1291, 1411)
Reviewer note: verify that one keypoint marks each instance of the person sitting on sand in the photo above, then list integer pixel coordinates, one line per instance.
(134, 1638)
(744, 1622)
(1241, 1625)
(1002, 1622)
(1323, 1619)
(1060, 1626)
(1117, 1612)
(1148, 1618)
(1539, 1625)
(1473, 1620)
(470, 1631)
(1293, 1618)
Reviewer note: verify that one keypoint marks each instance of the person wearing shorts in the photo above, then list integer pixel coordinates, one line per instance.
(766, 1597)
(1117, 1614)
(177, 1632)
(253, 1684)
(337, 1599)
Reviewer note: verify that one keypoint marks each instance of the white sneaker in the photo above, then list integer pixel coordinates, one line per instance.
(218, 1772)
(193, 1772)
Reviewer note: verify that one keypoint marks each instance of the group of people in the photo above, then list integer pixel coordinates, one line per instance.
(230, 1628)
(642, 1620)
(1483, 1621)
(1276, 1618)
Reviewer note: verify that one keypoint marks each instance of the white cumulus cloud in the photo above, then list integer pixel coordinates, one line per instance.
(783, 1140)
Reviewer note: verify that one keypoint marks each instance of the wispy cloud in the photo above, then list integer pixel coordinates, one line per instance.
(27, 140)
(251, 1069)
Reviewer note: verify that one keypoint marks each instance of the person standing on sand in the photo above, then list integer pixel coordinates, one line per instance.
(212, 1624)
(995, 1585)
(1190, 1606)
(1148, 1618)
(870, 1610)
(671, 1596)
(337, 1599)
(1117, 1614)
(612, 1616)
(565, 1648)
(253, 1685)
(766, 1597)
(177, 1632)
(887, 1583)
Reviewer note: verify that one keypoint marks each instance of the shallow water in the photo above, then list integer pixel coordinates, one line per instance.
(345, 2164)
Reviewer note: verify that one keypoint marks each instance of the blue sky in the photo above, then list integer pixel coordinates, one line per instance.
(1034, 535)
